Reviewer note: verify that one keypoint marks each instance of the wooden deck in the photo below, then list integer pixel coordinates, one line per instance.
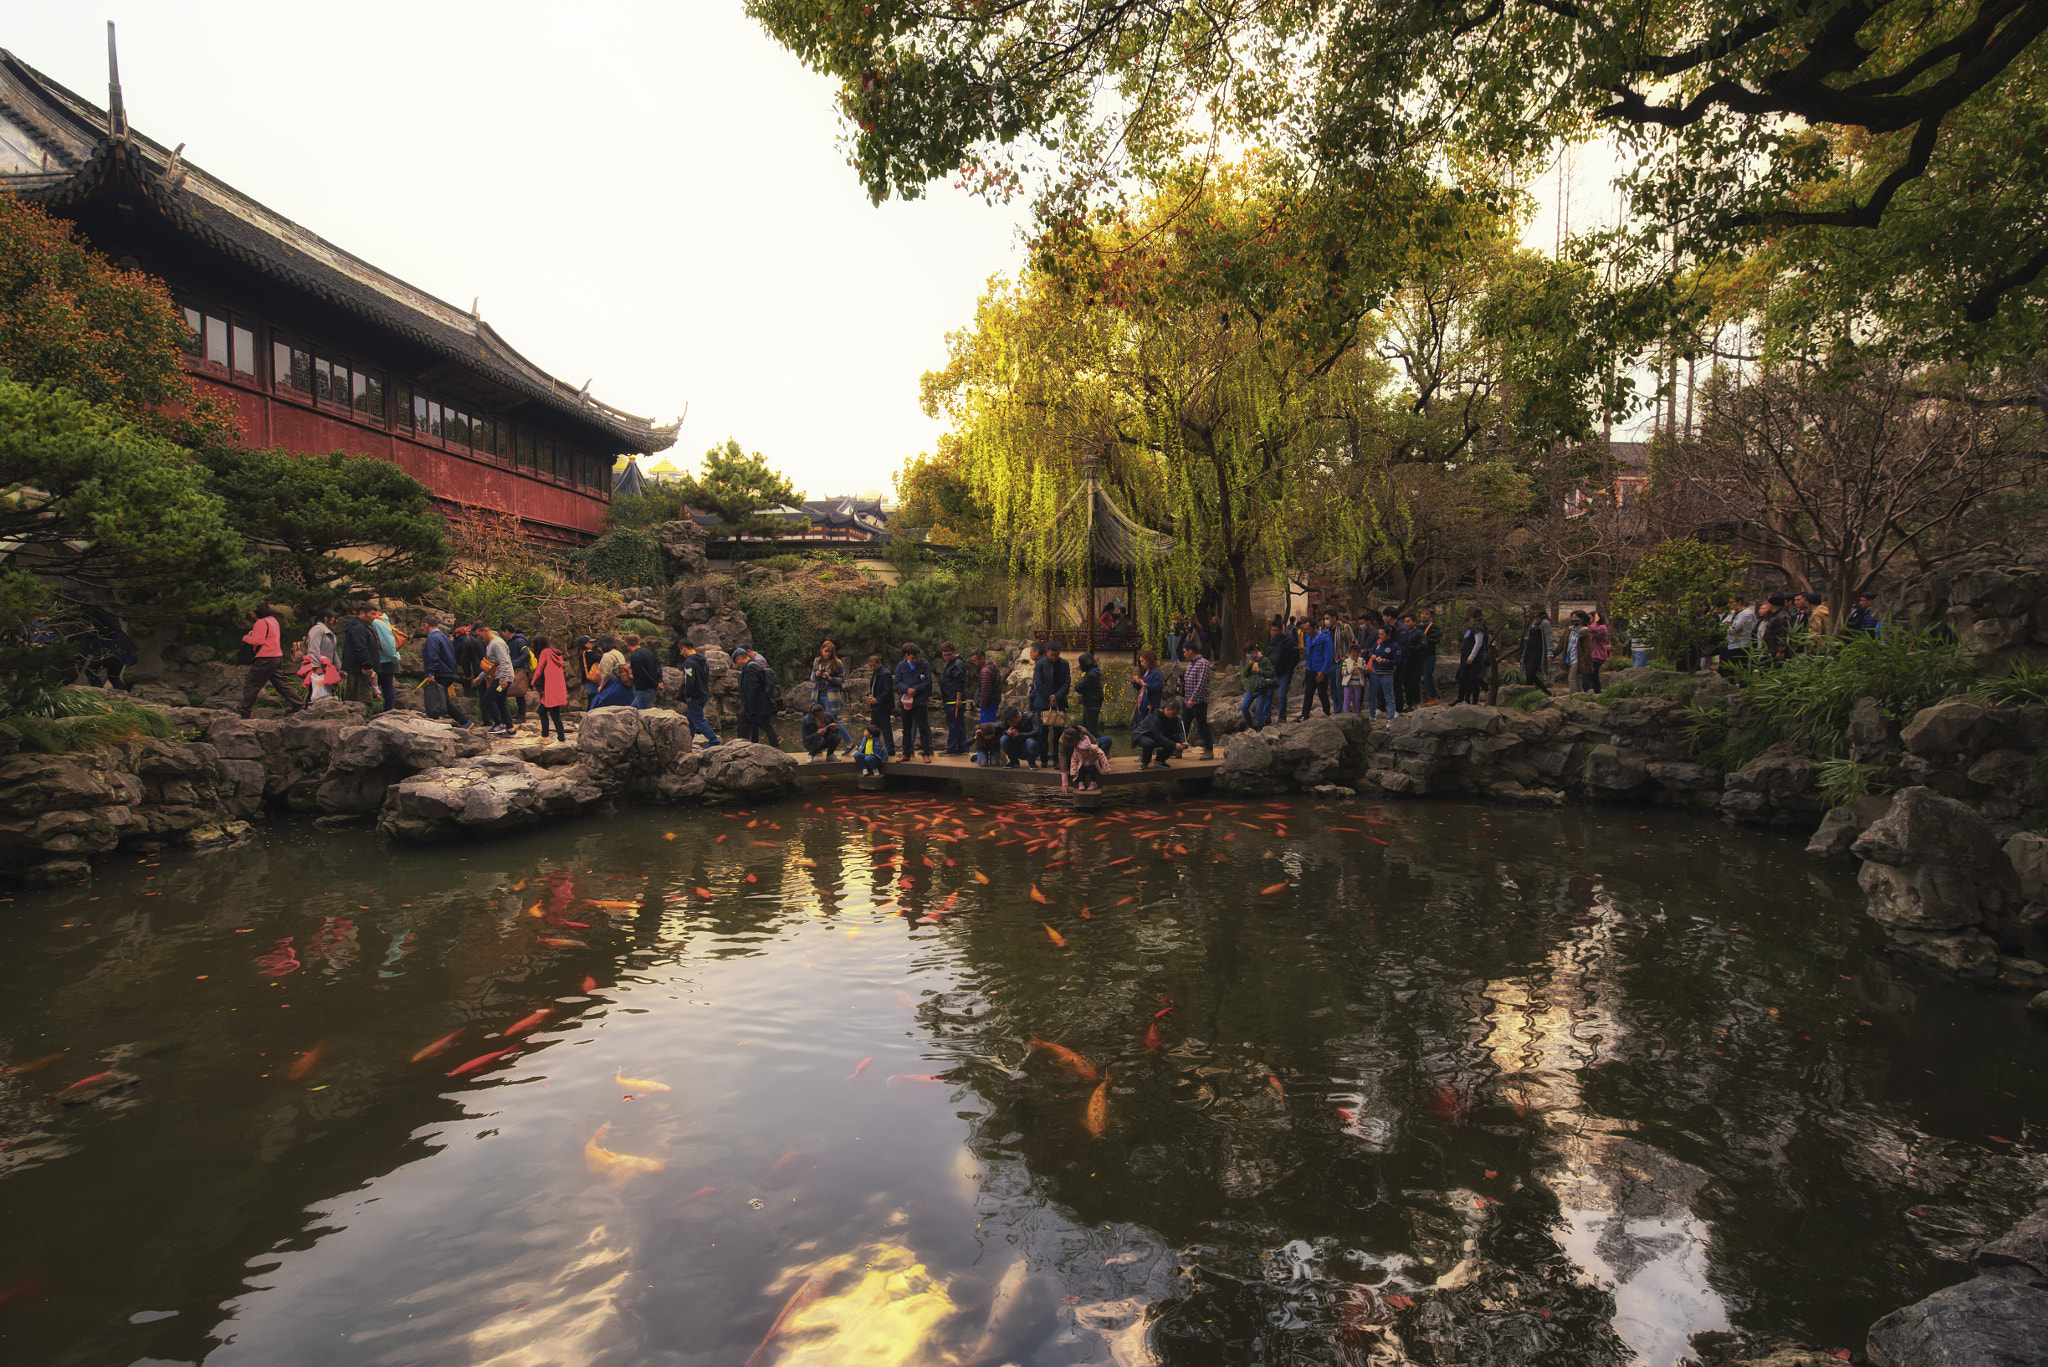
(954, 770)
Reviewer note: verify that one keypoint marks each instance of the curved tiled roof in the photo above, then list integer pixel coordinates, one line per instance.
(83, 159)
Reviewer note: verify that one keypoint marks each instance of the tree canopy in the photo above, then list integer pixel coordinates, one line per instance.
(111, 337)
(346, 526)
(737, 486)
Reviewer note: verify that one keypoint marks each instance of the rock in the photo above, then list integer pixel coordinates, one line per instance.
(682, 548)
(56, 873)
(2039, 1005)
(1842, 825)
(1997, 1319)
(216, 835)
(1870, 733)
(2027, 852)
(1299, 756)
(1931, 863)
(486, 795)
(1968, 954)
(1609, 773)
(2024, 1245)
(736, 771)
(1779, 788)
(1953, 727)
(626, 750)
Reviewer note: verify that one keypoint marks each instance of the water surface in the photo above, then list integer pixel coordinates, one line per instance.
(1422, 1083)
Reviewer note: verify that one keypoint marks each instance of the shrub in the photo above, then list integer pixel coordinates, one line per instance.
(625, 557)
(1845, 781)
(1523, 699)
(1664, 597)
(60, 721)
(639, 626)
(510, 595)
(1808, 698)
(2028, 683)
(775, 624)
(784, 564)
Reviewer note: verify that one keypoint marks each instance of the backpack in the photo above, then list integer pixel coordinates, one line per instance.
(772, 686)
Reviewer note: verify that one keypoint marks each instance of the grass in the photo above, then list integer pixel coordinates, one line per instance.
(2028, 683)
(1845, 781)
(63, 721)
(1671, 690)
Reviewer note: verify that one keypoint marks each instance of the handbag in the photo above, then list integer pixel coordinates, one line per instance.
(1054, 720)
(246, 654)
(518, 687)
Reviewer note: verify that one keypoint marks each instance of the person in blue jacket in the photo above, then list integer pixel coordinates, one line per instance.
(1383, 665)
(1318, 658)
(914, 696)
(1150, 683)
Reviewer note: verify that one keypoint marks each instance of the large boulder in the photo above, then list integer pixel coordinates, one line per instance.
(1953, 729)
(704, 610)
(682, 548)
(1842, 825)
(486, 795)
(736, 771)
(1999, 1318)
(624, 749)
(1779, 788)
(1931, 863)
(1298, 755)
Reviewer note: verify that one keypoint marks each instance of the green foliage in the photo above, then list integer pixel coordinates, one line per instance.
(60, 721)
(925, 610)
(111, 337)
(1672, 596)
(639, 626)
(737, 486)
(936, 494)
(1808, 698)
(662, 501)
(2026, 685)
(625, 557)
(784, 563)
(350, 526)
(512, 594)
(1845, 781)
(775, 624)
(1671, 690)
(1523, 699)
(100, 510)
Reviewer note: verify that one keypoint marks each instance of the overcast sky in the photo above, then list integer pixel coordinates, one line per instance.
(648, 195)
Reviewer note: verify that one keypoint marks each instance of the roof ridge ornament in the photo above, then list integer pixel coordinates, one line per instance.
(117, 112)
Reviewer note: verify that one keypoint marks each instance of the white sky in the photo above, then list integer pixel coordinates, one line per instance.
(650, 195)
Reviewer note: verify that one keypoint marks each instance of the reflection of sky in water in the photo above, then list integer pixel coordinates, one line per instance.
(1626, 1208)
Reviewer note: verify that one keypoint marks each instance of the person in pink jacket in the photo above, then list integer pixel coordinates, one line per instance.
(266, 641)
(550, 685)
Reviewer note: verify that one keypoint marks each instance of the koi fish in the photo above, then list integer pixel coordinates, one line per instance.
(1126, 901)
(640, 1084)
(481, 1061)
(915, 1077)
(1053, 935)
(697, 1195)
(617, 906)
(556, 942)
(438, 1047)
(21, 1293)
(619, 1167)
(1087, 915)
(780, 1173)
(32, 1066)
(85, 1082)
(1268, 892)
(1098, 1108)
(1067, 1059)
(704, 893)
(1152, 1037)
(812, 1288)
(1164, 1011)
(980, 877)
(527, 1023)
(807, 863)
(1009, 1293)
(305, 1063)
(719, 841)
(668, 835)
(1125, 860)
(950, 902)
(589, 985)
(519, 886)
(1274, 1083)
(1036, 895)
(534, 910)
(860, 1067)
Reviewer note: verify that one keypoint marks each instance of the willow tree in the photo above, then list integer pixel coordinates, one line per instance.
(1187, 348)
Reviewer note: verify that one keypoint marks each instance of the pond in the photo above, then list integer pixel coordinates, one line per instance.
(1317, 1083)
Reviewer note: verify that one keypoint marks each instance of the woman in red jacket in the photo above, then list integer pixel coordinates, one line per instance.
(266, 665)
(551, 685)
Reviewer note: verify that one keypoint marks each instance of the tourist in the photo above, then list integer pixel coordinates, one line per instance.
(882, 703)
(914, 696)
(1818, 617)
(437, 662)
(988, 688)
(1352, 673)
(1475, 657)
(696, 691)
(1408, 678)
(1088, 692)
(1574, 625)
(589, 663)
(643, 669)
(821, 734)
(1596, 643)
(265, 639)
(1023, 738)
(360, 655)
(387, 659)
(953, 697)
(1425, 669)
(317, 673)
(1318, 658)
(1535, 651)
(828, 681)
(1086, 761)
(1149, 682)
(1042, 678)
(1774, 635)
(1194, 692)
(495, 679)
(1283, 652)
(1382, 669)
(107, 651)
(1062, 679)
(323, 646)
(987, 746)
(614, 682)
(1258, 690)
(869, 754)
(1863, 617)
(550, 685)
(756, 695)
(1175, 630)
(521, 682)
(1158, 735)
(1741, 623)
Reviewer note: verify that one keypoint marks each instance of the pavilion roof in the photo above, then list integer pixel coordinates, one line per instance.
(1090, 525)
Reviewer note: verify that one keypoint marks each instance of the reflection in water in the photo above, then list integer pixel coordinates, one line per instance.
(1319, 1085)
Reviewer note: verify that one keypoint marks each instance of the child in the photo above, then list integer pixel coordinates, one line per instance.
(1354, 679)
(1085, 761)
(867, 756)
(821, 734)
(988, 744)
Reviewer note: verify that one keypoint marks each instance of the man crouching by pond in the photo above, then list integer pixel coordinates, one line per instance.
(1159, 733)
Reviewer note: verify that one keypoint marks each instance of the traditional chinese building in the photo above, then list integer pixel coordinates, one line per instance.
(317, 349)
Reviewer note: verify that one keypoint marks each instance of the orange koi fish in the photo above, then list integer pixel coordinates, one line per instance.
(1274, 1083)
(1126, 901)
(438, 1047)
(305, 1063)
(1067, 1059)
(33, 1065)
(589, 985)
(980, 877)
(640, 1084)
(617, 906)
(697, 1195)
(950, 902)
(812, 1288)
(781, 1173)
(1152, 1040)
(704, 893)
(1268, 892)
(752, 879)
(86, 1082)
(668, 835)
(1053, 935)
(556, 942)
(1098, 1108)
(534, 910)
(1036, 895)
(860, 1067)
(1125, 860)
(915, 1077)
(619, 1167)
(481, 1061)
